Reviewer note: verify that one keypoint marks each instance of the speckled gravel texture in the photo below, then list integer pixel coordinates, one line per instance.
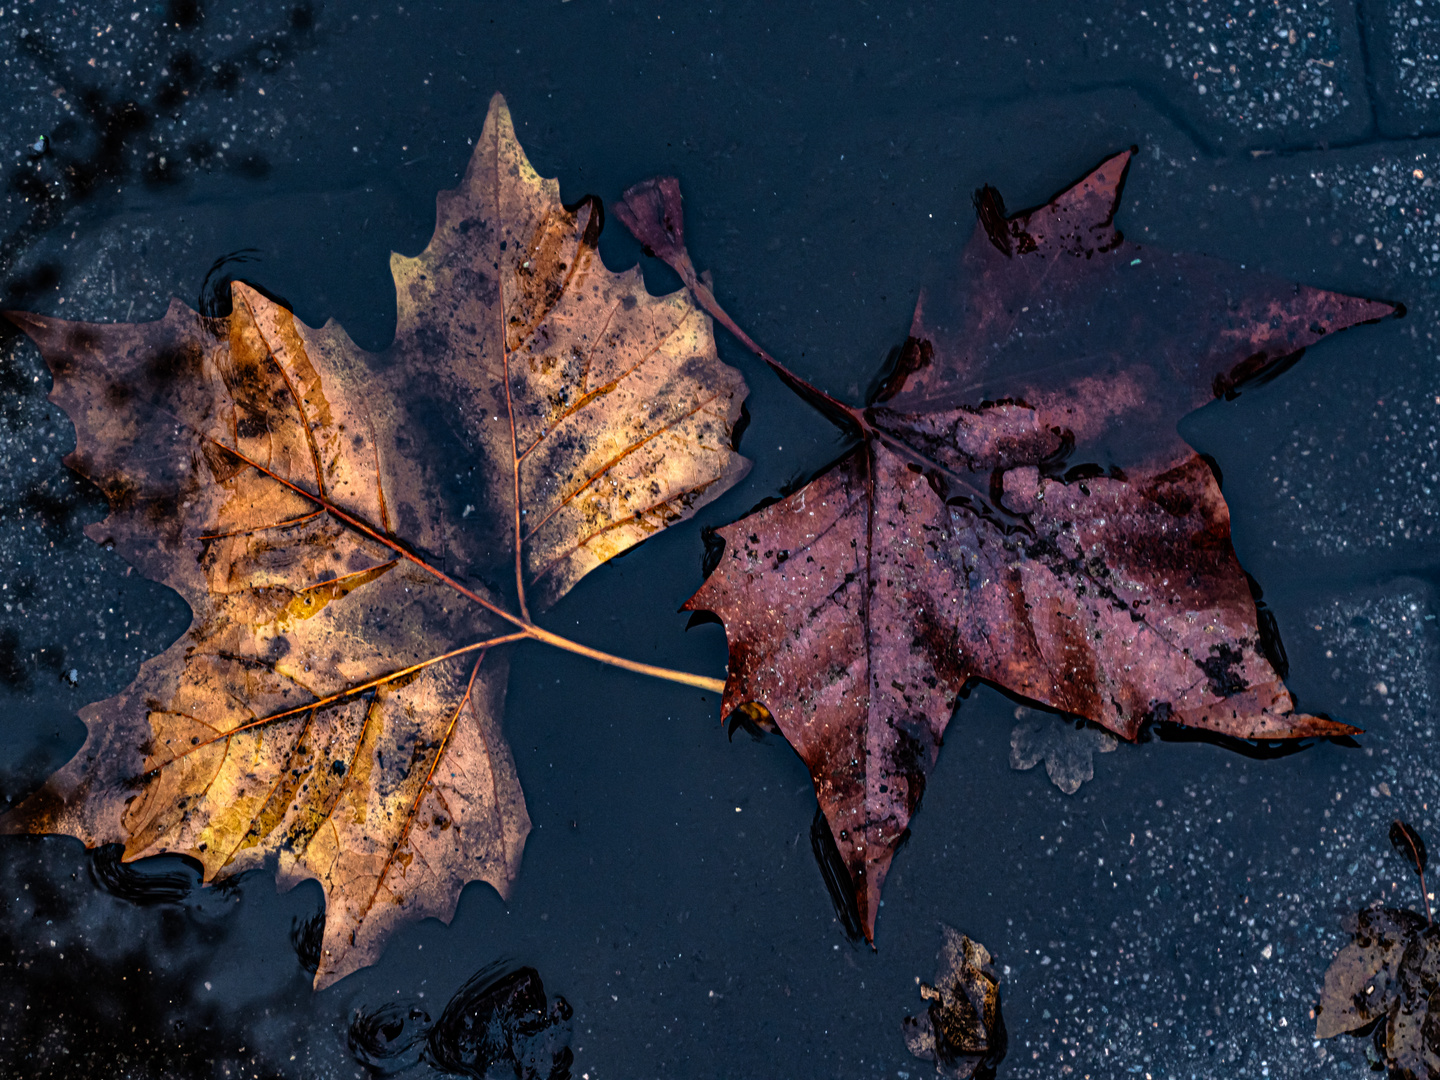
(1405, 54)
(1245, 74)
(1171, 919)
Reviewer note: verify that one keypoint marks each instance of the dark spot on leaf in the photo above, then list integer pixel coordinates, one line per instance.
(1220, 670)
(251, 426)
(173, 363)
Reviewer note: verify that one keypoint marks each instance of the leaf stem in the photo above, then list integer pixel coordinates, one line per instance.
(846, 416)
(704, 682)
(835, 409)
(651, 210)
(525, 626)
(1414, 850)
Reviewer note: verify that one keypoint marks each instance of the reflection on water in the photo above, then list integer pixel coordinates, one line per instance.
(499, 1017)
(104, 127)
(165, 879)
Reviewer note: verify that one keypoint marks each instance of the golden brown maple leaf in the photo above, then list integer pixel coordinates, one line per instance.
(356, 535)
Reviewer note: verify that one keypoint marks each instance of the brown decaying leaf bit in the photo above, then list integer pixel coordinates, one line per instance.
(1388, 975)
(336, 702)
(1406, 840)
(962, 1030)
(1019, 509)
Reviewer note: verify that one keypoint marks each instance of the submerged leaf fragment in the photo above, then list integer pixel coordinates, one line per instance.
(961, 1030)
(1386, 979)
(1067, 748)
(388, 1039)
(1387, 976)
(1363, 981)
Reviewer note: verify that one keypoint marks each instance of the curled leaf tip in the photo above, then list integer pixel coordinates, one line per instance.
(652, 211)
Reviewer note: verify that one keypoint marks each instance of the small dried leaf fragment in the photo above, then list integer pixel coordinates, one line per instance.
(1412, 1036)
(1363, 981)
(1405, 839)
(961, 1030)
(1388, 976)
(351, 531)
